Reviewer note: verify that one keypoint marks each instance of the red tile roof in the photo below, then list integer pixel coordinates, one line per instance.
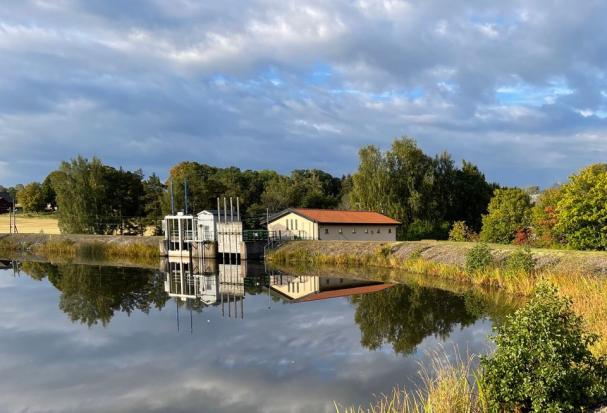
(334, 216)
(344, 292)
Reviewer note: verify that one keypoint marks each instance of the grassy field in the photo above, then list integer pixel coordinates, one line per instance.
(31, 224)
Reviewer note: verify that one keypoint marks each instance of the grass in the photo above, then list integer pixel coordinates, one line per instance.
(52, 248)
(447, 387)
(31, 224)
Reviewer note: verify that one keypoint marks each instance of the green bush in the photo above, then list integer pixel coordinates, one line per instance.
(508, 211)
(521, 260)
(582, 209)
(424, 229)
(542, 362)
(479, 258)
(460, 232)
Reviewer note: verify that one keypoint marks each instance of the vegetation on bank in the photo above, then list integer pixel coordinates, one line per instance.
(542, 363)
(62, 247)
(512, 269)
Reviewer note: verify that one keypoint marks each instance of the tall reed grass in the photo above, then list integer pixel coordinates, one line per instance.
(447, 387)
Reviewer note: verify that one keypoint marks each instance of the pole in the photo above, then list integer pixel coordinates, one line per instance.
(172, 199)
(238, 208)
(185, 195)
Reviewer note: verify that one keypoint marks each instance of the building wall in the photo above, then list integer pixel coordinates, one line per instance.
(293, 225)
(306, 229)
(348, 232)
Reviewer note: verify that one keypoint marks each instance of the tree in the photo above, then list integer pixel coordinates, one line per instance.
(472, 194)
(508, 211)
(544, 218)
(31, 197)
(582, 209)
(542, 362)
(93, 198)
(153, 194)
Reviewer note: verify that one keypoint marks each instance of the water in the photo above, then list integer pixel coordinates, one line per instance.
(83, 338)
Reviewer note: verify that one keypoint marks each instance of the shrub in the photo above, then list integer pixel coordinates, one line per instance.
(479, 258)
(521, 260)
(542, 362)
(509, 210)
(460, 232)
(582, 209)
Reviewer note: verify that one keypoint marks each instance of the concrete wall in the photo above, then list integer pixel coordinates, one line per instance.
(292, 225)
(348, 232)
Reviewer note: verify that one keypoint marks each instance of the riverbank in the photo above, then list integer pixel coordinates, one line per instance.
(581, 276)
(66, 246)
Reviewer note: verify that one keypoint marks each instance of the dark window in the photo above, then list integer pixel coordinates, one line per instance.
(326, 230)
(389, 230)
(378, 230)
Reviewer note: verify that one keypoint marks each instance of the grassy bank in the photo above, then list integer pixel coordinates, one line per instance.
(578, 275)
(96, 247)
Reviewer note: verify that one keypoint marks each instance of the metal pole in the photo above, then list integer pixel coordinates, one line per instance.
(172, 199)
(185, 195)
(231, 210)
(238, 208)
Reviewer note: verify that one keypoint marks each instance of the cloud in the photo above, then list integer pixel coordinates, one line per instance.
(286, 85)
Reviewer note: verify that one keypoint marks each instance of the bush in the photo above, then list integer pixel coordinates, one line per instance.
(424, 229)
(581, 210)
(508, 211)
(542, 362)
(460, 232)
(479, 258)
(521, 260)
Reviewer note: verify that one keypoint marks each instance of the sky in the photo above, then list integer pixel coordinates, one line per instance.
(517, 87)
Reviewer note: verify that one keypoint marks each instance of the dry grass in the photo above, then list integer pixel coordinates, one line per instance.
(448, 387)
(31, 224)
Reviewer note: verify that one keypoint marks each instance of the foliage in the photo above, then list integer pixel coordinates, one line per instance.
(404, 315)
(544, 218)
(153, 196)
(582, 209)
(94, 198)
(460, 232)
(418, 190)
(509, 211)
(31, 197)
(542, 362)
(521, 260)
(479, 258)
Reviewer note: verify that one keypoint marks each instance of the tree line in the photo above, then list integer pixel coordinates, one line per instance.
(425, 193)
(430, 195)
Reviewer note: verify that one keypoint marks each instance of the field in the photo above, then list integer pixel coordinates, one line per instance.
(31, 224)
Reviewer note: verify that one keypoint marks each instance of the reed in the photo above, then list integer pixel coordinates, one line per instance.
(447, 387)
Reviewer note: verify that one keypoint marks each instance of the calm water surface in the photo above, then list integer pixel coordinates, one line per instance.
(82, 338)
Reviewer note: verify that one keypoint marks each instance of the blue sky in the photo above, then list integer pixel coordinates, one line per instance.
(517, 87)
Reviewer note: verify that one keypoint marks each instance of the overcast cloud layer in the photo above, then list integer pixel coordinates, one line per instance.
(517, 87)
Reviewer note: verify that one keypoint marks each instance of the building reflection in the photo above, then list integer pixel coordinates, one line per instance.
(209, 283)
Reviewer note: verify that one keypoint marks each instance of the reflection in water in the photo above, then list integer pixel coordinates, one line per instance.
(404, 315)
(265, 333)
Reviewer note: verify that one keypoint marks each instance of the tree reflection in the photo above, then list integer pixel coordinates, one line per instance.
(92, 294)
(404, 315)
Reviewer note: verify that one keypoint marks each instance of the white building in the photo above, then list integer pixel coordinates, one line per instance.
(329, 224)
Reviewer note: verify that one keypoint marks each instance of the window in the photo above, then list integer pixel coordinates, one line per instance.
(389, 230)
(288, 224)
(295, 224)
(354, 230)
(326, 230)
(378, 230)
(366, 230)
(341, 231)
